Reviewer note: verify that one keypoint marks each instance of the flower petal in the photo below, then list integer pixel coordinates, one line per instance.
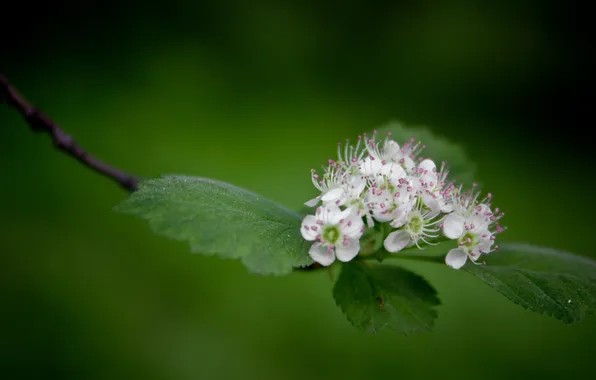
(370, 223)
(349, 251)
(391, 150)
(370, 167)
(456, 258)
(396, 241)
(446, 207)
(308, 223)
(352, 226)
(427, 165)
(313, 202)
(479, 217)
(408, 164)
(321, 255)
(356, 186)
(337, 216)
(400, 215)
(393, 172)
(333, 195)
(453, 226)
(327, 212)
(486, 243)
(433, 204)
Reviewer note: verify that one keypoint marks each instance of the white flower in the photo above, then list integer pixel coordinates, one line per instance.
(474, 226)
(336, 234)
(337, 185)
(378, 181)
(370, 167)
(389, 151)
(432, 188)
(417, 225)
(388, 200)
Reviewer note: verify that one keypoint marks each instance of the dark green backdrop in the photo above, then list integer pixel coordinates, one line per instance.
(256, 93)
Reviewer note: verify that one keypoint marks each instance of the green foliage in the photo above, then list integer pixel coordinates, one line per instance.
(461, 168)
(542, 280)
(374, 297)
(218, 218)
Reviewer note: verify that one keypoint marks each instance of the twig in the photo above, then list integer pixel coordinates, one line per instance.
(38, 122)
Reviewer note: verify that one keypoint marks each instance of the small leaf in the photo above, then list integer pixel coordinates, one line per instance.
(219, 218)
(542, 280)
(439, 149)
(374, 297)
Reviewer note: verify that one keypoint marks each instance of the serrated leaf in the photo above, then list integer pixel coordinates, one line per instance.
(439, 149)
(219, 218)
(374, 297)
(543, 280)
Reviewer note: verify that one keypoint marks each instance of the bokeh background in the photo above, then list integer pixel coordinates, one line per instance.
(256, 93)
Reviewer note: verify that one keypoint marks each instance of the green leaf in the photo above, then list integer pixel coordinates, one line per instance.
(438, 148)
(374, 297)
(219, 218)
(543, 280)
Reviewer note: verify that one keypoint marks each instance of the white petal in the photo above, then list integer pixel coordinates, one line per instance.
(307, 232)
(396, 241)
(321, 255)
(349, 251)
(382, 216)
(486, 243)
(337, 216)
(400, 216)
(369, 221)
(456, 258)
(370, 167)
(391, 150)
(356, 186)
(327, 212)
(453, 226)
(446, 207)
(313, 202)
(433, 204)
(352, 226)
(333, 195)
(429, 180)
(479, 218)
(393, 171)
(409, 164)
(427, 165)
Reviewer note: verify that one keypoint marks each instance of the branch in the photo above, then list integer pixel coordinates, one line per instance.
(38, 122)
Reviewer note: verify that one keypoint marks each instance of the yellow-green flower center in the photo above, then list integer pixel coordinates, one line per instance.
(468, 240)
(331, 234)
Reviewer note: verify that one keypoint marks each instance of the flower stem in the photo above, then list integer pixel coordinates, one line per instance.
(429, 259)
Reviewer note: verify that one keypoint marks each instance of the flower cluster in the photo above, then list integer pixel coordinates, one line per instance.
(381, 183)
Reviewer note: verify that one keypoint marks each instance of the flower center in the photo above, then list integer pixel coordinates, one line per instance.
(468, 240)
(416, 224)
(331, 234)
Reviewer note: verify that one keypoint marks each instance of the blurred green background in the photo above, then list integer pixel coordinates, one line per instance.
(256, 93)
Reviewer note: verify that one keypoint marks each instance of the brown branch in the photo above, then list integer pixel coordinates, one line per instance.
(38, 122)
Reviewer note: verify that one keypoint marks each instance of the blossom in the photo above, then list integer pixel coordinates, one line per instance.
(389, 201)
(474, 226)
(378, 181)
(336, 185)
(417, 225)
(432, 187)
(335, 233)
(389, 151)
